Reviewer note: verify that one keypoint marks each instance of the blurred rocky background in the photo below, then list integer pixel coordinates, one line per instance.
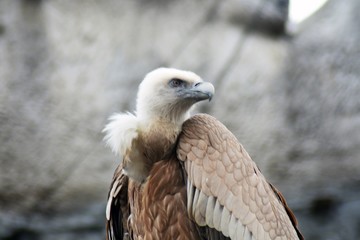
(292, 99)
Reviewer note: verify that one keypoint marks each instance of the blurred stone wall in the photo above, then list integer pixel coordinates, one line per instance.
(65, 66)
(322, 87)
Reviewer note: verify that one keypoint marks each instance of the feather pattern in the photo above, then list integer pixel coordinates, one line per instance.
(182, 198)
(240, 203)
(117, 207)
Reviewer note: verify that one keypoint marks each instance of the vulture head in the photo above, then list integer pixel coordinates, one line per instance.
(164, 100)
(168, 94)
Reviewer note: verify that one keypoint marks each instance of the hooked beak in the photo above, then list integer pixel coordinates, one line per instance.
(198, 92)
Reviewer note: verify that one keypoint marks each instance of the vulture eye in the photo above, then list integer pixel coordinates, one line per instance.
(175, 83)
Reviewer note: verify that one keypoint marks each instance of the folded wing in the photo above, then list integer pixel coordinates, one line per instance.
(117, 209)
(226, 191)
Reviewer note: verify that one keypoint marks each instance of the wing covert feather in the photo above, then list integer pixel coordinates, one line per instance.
(117, 207)
(240, 203)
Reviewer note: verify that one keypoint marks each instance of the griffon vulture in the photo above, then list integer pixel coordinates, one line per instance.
(185, 177)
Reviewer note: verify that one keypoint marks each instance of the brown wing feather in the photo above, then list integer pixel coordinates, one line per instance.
(118, 207)
(157, 207)
(288, 210)
(226, 190)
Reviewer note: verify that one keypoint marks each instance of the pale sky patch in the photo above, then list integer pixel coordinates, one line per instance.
(301, 9)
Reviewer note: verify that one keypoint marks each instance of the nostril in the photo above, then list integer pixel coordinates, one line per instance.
(197, 84)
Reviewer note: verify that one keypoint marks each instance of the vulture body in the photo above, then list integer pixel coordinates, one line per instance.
(185, 177)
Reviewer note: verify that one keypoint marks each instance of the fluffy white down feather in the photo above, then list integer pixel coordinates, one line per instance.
(120, 131)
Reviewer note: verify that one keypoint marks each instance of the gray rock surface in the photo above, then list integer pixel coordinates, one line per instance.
(322, 85)
(65, 66)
